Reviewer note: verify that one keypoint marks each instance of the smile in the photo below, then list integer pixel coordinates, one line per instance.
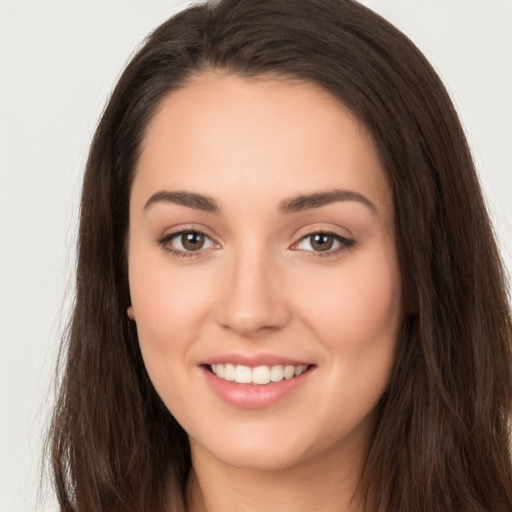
(256, 382)
(260, 375)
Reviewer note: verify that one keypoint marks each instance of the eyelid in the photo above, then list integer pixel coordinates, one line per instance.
(186, 228)
(169, 235)
(346, 242)
(339, 238)
(323, 227)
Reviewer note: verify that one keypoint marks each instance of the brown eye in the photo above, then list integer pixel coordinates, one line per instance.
(323, 244)
(192, 240)
(322, 241)
(186, 243)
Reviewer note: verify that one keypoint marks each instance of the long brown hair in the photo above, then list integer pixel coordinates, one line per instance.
(442, 439)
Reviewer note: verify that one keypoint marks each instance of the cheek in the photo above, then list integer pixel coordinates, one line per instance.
(362, 302)
(357, 313)
(169, 311)
(169, 307)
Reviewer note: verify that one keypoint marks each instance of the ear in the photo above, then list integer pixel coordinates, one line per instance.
(130, 313)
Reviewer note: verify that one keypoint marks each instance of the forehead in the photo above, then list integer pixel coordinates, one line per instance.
(225, 135)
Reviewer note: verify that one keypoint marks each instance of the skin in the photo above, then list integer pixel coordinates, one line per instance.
(259, 286)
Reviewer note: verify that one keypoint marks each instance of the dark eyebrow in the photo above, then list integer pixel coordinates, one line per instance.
(315, 200)
(190, 199)
(294, 205)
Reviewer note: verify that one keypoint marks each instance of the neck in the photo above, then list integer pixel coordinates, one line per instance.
(321, 483)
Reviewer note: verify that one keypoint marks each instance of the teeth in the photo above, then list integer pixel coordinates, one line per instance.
(260, 375)
(229, 371)
(298, 370)
(276, 373)
(289, 371)
(243, 374)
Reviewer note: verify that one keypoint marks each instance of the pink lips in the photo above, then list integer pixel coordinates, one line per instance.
(253, 361)
(252, 396)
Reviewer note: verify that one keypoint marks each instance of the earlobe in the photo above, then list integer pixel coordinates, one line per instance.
(130, 313)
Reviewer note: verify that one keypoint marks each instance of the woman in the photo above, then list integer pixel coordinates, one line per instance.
(288, 291)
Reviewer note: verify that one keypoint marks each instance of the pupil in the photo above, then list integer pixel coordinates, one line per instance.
(192, 241)
(322, 242)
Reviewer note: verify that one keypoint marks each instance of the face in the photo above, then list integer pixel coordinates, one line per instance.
(263, 272)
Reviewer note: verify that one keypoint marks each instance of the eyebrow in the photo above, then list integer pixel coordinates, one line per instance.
(288, 206)
(318, 199)
(189, 199)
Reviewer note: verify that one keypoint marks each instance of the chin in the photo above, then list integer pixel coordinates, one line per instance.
(259, 451)
(265, 459)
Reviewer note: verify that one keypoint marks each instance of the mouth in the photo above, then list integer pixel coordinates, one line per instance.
(259, 375)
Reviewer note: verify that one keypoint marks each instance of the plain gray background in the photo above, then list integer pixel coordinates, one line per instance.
(58, 63)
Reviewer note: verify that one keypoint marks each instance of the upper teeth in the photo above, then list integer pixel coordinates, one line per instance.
(258, 375)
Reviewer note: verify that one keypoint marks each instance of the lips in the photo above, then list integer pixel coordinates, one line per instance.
(255, 382)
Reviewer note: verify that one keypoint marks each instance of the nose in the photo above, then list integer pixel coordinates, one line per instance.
(252, 300)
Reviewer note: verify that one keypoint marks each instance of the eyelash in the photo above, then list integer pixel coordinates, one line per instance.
(178, 253)
(344, 244)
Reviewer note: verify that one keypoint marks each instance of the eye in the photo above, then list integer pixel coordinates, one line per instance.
(323, 242)
(186, 243)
